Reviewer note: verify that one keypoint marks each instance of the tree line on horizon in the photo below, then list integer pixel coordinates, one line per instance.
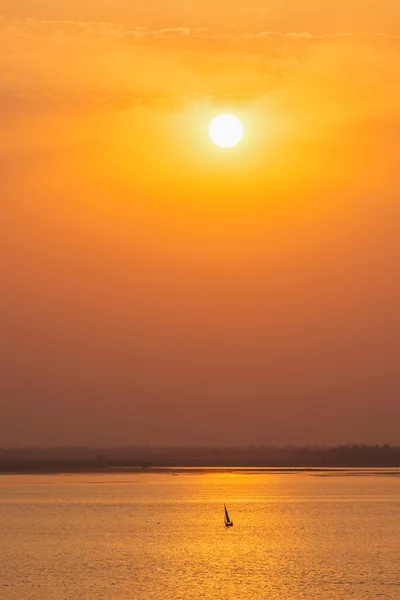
(63, 459)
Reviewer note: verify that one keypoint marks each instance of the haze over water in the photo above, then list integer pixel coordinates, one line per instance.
(155, 536)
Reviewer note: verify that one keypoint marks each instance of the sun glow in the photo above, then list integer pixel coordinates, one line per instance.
(226, 131)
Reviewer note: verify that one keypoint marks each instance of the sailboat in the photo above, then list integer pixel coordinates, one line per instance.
(228, 522)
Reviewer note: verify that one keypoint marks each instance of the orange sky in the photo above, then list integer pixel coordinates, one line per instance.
(157, 289)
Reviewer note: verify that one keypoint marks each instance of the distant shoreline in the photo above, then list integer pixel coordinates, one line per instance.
(316, 471)
(144, 459)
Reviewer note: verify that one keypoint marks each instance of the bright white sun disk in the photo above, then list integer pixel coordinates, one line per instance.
(226, 131)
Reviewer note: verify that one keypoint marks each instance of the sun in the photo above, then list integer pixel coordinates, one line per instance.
(226, 131)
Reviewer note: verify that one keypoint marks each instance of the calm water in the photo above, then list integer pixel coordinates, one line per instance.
(155, 536)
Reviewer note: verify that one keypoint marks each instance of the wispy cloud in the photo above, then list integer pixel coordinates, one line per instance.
(104, 64)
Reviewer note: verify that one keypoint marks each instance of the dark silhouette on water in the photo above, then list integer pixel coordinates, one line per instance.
(228, 522)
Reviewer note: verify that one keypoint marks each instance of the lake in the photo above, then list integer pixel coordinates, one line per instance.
(154, 536)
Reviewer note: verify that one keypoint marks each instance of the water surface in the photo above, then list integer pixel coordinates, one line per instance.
(155, 536)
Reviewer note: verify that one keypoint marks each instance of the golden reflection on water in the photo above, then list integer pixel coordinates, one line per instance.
(157, 536)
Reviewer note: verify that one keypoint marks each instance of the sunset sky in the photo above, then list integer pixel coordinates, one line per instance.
(157, 289)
